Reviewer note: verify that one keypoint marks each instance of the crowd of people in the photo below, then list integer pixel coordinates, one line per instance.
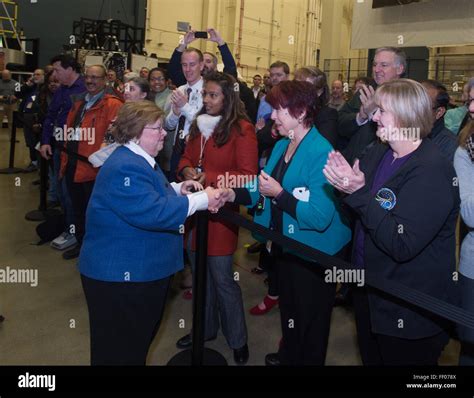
(380, 178)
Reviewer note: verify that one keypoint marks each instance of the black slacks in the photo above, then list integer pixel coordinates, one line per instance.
(80, 193)
(378, 349)
(306, 303)
(124, 318)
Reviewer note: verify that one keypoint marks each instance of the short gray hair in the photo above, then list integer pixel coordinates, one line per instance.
(130, 75)
(400, 56)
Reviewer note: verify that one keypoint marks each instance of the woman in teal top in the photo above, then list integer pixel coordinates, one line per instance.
(298, 202)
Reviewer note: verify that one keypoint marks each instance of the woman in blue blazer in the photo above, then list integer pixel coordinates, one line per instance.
(133, 244)
(296, 201)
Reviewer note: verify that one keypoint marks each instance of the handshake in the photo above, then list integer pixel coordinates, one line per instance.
(216, 197)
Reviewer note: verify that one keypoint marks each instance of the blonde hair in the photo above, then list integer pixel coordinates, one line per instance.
(410, 104)
(132, 119)
(465, 133)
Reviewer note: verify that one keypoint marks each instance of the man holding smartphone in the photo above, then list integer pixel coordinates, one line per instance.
(210, 65)
(174, 68)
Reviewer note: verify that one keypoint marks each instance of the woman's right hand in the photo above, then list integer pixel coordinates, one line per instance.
(214, 201)
(189, 173)
(227, 194)
(260, 124)
(218, 198)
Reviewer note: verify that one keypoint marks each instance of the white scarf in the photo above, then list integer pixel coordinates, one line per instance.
(207, 123)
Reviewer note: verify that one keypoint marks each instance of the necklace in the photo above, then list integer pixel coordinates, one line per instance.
(290, 151)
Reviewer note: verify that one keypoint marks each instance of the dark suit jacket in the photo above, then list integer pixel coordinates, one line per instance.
(326, 123)
(175, 71)
(357, 137)
(246, 95)
(412, 244)
(444, 139)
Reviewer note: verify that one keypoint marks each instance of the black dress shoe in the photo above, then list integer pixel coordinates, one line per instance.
(187, 341)
(255, 248)
(72, 253)
(241, 355)
(272, 359)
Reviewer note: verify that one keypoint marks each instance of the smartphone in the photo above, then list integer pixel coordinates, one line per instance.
(183, 26)
(260, 205)
(201, 35)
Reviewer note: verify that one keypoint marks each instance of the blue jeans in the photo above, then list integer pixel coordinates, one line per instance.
(52, 190)
(224, 301)
(466, 357)
(62, 191)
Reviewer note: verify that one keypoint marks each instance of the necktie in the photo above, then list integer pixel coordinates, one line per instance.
(179, 141)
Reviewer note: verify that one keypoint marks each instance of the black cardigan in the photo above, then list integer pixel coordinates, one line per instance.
(414, 243)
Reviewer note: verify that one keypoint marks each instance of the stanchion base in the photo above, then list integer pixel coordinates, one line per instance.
(41, 215)
(210, 358)
(11, 170)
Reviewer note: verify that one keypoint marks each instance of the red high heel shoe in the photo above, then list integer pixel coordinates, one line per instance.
(268, 303)
(188, 294)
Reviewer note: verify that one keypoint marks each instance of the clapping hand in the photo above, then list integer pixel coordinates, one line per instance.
(178, 98)
(367, 99)
(190, 186)
(341, 175)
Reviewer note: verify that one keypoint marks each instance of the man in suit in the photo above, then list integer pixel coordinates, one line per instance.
(186, 102)
(355, 117)
(210, 65)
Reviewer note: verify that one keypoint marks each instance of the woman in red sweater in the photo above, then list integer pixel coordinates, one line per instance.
(222, 152)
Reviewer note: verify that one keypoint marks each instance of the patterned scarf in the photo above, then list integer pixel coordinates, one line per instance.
(470, 147)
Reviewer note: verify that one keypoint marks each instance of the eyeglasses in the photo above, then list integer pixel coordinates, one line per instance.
(157, 79)
(154, 128)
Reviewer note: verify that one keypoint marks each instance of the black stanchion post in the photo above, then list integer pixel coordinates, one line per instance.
(11, 169)
(43, 212)
(199, 355)
(43, 184)
(199, 291)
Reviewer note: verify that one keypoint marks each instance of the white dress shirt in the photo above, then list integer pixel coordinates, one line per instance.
(197, 200)
(189, 110)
